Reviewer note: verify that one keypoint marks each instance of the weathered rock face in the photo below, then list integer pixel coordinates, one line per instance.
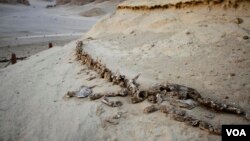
(164, 4)
(76, 2)
(61, 2)
(80, 2)
(159, 21)
(25, 2)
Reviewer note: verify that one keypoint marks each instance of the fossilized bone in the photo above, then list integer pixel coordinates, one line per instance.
(158, 93)
(111, 103)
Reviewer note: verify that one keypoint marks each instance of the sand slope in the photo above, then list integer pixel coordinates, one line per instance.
(28, 30)
(38, 87)
(32, 106)
(203, 46)
(198, 47)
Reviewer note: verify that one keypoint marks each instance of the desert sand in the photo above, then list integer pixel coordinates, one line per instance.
(204, 46)
(33, 27)
(33, 106)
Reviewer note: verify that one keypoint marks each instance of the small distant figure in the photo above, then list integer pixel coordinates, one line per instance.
(50, 45)
(13, 58)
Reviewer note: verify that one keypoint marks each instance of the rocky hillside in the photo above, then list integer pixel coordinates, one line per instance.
(25, 2)
(81, 2)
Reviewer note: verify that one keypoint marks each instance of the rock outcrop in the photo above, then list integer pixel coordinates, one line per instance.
(80, 2)
(25, 2)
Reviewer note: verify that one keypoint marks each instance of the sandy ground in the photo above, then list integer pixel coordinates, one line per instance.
(27, 50)
(18, 21)
(33, 106)
(26, 30)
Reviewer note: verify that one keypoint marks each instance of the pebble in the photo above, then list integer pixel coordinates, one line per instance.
(209, 115)
(238, 20)
(245, 37)
(231, 74)
(187, 32)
